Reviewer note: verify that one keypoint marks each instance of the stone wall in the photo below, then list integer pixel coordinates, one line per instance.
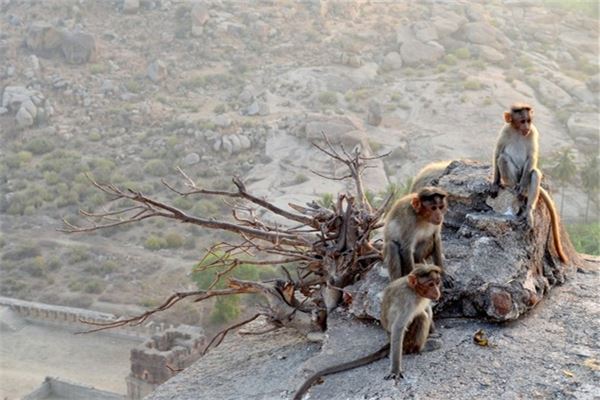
(55, 388)
(73, 317)
(161, 357)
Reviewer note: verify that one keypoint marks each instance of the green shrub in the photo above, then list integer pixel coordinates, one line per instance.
(154, 243)
(326, 200)
(183, 203)
(585, 237)
(174, 240)
(78, 254)
(328, 98)
(462, 53)
(472, 85)
(451, 59)
(226, 308)
(156, 167)
(23, 251)
(25, 157)
(39, 146)
(94, 286)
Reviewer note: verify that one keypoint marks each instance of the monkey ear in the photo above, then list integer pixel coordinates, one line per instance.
(415, 203)
(412, 280)
(507, 117)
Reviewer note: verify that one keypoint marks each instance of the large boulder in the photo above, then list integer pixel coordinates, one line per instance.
(495, 267)
(415, 52)
(43, 38)
(78, 47)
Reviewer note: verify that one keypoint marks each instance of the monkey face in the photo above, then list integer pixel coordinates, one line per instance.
(521, 122)
(427, 286)
(433, 211)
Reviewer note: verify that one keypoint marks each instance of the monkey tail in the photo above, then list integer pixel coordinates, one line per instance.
(379, 354)
(555, 228)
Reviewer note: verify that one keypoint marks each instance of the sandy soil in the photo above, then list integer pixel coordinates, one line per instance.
(33, 352)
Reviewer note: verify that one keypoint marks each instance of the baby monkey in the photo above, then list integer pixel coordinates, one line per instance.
(515, 166)
(405, 300)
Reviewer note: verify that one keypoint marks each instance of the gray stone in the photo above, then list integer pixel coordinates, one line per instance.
(245, 142)
(489, 53)
(222, 121)
(131, 6)
(482, 33)
(263, 108)
(415, 52)
(157, 71)
(191, 159)
(227, 145)
(236, 144)
(78, 47)
(43, 39)
(252, 109)
(3, 110)
(392, 61)
(552, 94)
(217, 145)
(424, 31)
(24, 119)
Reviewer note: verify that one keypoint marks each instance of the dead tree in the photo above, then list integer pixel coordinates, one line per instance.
(325, 248)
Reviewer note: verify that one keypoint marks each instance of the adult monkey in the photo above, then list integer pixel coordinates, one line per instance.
(515, 166)
(404, 316)
(412, 231)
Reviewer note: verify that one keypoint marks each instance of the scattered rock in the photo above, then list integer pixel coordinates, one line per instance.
(552, 94)
(191, 159)
(584, 124)
(424, 31)
(157, 71)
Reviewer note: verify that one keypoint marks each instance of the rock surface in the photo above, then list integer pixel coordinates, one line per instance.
(552, 353)
(495, 267)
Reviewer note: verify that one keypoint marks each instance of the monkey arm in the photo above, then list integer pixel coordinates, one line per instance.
(438, 258)
(392, 260)
(523, 185)
(407, 258)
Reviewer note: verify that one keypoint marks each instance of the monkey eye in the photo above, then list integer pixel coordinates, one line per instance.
(433, 208)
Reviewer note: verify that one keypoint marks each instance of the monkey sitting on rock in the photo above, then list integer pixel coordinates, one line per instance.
(515, 167)
(405, 316)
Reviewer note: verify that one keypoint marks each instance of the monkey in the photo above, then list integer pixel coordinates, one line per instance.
(428, 175)
(515, 167)
(405, 318)
(412, 231)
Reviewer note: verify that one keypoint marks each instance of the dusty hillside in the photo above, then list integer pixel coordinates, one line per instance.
(129, 90)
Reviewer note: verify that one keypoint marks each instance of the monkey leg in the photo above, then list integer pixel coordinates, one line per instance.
(396, 339)
(533, 193)
(509, 172)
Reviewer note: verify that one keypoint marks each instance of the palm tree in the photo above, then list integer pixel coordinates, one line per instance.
(564, 170)
(590, 179)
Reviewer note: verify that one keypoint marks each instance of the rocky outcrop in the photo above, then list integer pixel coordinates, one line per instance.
(46, 40)
(495, 267)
